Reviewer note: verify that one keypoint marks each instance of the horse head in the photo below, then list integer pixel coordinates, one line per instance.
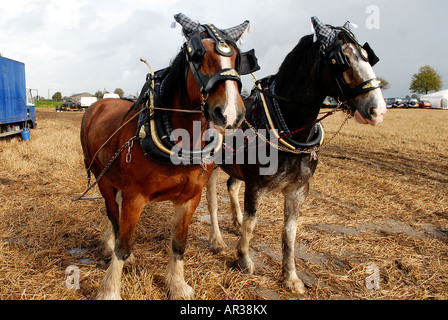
(350, 66)
(215, 65)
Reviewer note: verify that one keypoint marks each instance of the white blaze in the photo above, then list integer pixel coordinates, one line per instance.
(365, 70)
(231, 107)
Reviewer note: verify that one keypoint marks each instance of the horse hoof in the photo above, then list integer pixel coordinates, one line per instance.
(246, 265)
(218, 246)
(181, 292)
(130, 261)
(295, 285)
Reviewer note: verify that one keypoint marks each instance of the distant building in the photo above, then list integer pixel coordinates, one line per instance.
(82, 95)
(85, 99)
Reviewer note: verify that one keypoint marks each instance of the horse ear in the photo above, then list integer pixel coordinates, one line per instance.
(236, 32)
(325, 34)
(188, 25)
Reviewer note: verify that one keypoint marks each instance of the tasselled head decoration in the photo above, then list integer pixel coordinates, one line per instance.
(195, 32)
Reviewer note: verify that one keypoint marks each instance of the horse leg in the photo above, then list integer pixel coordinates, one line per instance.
(177, 287)
(252, 199)
(233, 186)
(109, 194)
(294, 199)
(130, 208)
(217, 244)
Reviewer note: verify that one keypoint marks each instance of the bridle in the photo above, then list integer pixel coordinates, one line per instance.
(338, 61)
(334, 56)
(195, 50)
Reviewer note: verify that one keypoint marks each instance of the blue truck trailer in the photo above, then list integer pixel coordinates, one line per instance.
(17, 111)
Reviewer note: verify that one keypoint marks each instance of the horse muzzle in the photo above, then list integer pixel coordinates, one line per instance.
(226, 119)
(372, 111)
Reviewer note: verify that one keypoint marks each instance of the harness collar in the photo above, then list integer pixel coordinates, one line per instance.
(272, 117)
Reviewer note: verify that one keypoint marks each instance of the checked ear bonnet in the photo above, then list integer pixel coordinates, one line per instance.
(332, 49)
(327, 35)
(246, 63)
(190, 27)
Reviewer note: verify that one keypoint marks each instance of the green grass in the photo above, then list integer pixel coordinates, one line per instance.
(46, 104)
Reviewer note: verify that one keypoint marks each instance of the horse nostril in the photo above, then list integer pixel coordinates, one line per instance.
(217, 112)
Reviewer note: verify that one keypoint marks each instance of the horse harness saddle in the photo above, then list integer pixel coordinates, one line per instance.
(155, 130)
(265, 113)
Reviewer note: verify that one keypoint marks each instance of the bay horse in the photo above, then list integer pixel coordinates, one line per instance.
(329, 63)
(202, 76)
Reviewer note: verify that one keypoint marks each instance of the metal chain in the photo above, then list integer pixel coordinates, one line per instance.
(348, 116)
(129, 145)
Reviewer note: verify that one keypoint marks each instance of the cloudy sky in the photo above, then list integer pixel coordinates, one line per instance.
(75, 46)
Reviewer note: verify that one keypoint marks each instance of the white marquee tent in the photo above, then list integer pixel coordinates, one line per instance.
(439, 100)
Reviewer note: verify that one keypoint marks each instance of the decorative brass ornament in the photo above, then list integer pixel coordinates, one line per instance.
(231, 72)
(224, 47)
(372, 84)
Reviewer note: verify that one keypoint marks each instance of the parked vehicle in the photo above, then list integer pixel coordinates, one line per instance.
(17, 111)
(399, 103)
(70, 104)
(425, 104)
(87, 102)
(390, 103)
(111, 95)
(395, 103)
(411, 103)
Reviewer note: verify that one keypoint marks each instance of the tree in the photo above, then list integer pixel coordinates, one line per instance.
(120, 92)
(426, 80)
(57, 97)
(99, 94)
(385, 85)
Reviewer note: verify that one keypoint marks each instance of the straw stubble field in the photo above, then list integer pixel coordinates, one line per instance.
(379, 199)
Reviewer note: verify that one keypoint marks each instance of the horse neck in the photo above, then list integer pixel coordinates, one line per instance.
(299, 80)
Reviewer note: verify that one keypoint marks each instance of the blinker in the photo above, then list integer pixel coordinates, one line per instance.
(337, 57)
(371, 56)
(247, 62)
(196, 49)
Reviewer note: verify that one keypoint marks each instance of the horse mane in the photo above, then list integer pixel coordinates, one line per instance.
(300, 61)
(175, 79)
